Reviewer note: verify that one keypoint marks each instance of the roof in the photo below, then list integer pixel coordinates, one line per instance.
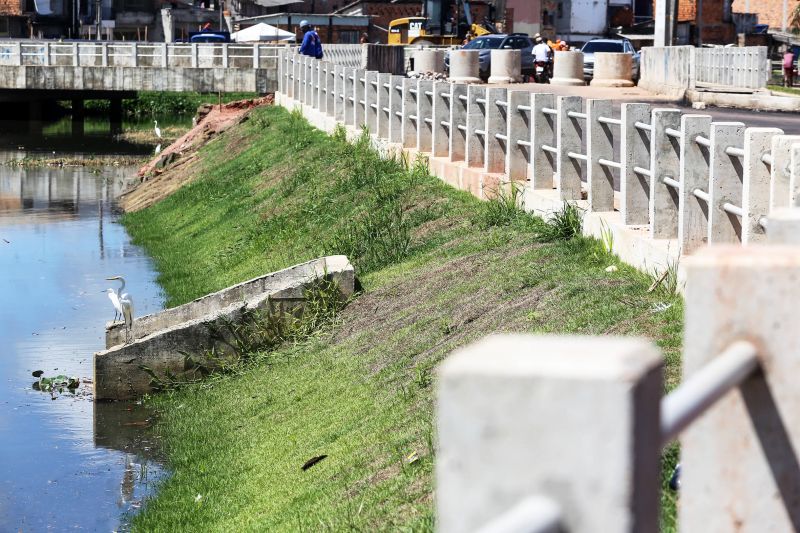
(313, 19)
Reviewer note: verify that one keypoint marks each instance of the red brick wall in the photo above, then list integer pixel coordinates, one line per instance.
(10, 7)
(768, 11)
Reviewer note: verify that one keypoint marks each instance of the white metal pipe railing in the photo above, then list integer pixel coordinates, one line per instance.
(703, 141)
(608, 163)
(549, 111)
(767, 158)
(643, 171)
(695, 395)
(574, 155)
(577, 114)
(672, 132)
(667, 180)
(703, 195)
(643, 126)
(733, 209)
(734, 151)
(548, 148)
(611, 121)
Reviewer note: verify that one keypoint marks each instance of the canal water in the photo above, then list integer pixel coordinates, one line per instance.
(66, 463)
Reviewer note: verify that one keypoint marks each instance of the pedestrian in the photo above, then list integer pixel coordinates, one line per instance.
(788, 67)
(364, 39)
(311, 45)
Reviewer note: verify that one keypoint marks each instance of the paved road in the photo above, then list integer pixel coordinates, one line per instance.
(788, 122)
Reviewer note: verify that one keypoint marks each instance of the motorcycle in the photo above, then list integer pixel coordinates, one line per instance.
(541, 71)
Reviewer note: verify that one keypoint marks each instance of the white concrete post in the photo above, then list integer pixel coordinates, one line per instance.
(739, 465)
(496, 144)
(76, 56)
(384, 111)
(256, 56)
(134, 54)
(425, 116)
(600, 145)
(476, 126)
(783, 226)
(359, 113)
(569, 135)
(322, 80)
(410, 118)
(755, 192)
(196, 59)
(46, 58)
(794, 174)
(296, 69)
(18, 53)
(665, 152)
(303, 77)
(518, 129)
(781, 174)
(330, 90)
(694, 174)
(442, 128)
(104, 52)
(371, 100)
(349, 96)
(458, 122)
(396, 98)
(338, 93)
(635, 152)
(725, 183)
(543, 126)
(575, 419)
(164, 55)
(225, 55)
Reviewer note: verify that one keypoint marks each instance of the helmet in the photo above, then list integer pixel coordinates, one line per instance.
(304, 23)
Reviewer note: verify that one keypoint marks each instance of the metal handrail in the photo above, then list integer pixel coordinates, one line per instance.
(523, 107)
(501, 136)
(643, 171)
(520, 142)
(703, 195)
(671, 182)
(607, 163)
(734, 152)
(577, 114)
(548, 148)
(695, 395)
(672, 132)
(733, 209)
(643, 126)
(609, 120)
(703, 141)
(549, 111)
(574, 155)
(767, 158)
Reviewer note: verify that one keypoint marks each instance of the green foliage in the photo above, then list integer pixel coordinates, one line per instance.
(358, 388)
(158, 103)
(503, 209)
(564, 225)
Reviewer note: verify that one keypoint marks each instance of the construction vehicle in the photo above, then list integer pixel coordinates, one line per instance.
(435, 26)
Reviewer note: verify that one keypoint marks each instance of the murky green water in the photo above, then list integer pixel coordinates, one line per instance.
(66, 463)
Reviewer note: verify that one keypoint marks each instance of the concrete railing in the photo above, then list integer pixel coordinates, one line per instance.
(544, 433)
(679, 68)
(133, 54)
(664, 182)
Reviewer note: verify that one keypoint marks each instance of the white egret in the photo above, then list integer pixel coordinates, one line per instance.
(126, 305)
(158, 149)
(114, 297)
(158, 130)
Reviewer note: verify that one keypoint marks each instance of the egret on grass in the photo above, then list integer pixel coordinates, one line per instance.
(126, 305)
(158, 130)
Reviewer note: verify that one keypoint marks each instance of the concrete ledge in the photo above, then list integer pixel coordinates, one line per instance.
(632, 244)
(761, 101)
(200, 326)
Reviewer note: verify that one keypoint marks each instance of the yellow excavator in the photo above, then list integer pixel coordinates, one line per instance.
(430, 28)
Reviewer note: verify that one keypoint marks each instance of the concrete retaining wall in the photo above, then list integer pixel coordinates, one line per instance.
(159, 340)
(674, 69)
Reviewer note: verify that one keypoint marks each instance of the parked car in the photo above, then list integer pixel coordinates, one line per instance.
(486, 43)
(607, 45)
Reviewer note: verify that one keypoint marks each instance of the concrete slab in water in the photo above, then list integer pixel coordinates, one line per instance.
(161, 339)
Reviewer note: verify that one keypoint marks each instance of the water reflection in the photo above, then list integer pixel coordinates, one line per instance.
(66, 463)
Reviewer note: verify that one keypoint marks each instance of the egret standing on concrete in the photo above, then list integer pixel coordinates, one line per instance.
(126, 305)
(114, 297)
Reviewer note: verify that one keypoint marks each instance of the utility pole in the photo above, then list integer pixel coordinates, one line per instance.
(665, 16)
(98, 18)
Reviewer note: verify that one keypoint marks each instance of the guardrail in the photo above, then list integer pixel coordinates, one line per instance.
(547, 434)
(134, 54)
(682, 177)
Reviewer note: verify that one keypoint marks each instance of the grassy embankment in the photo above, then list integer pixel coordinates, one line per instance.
(439, 269)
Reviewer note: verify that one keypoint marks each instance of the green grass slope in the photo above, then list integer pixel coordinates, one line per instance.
(439, 270)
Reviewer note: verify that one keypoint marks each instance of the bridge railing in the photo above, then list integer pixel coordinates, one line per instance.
(547, 433)
(131, 54)
(683, 180)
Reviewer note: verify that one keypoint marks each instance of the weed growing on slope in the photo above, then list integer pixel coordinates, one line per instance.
(565, 224)
(503, 209)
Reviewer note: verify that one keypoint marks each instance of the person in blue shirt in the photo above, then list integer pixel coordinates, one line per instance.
(312, 45)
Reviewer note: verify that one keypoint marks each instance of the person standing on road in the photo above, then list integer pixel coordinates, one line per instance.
(788, 67)
(311, 46)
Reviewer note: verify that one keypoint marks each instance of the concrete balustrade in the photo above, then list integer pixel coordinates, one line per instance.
(429, 60)
(567, 68)
(612, 70)
(506, 66)
(464, 66)
(665, 183)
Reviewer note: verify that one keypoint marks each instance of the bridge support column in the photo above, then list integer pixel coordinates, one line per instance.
(78, 115)
(116, 116)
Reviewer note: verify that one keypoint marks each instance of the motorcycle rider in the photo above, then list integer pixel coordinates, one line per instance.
(542, 53)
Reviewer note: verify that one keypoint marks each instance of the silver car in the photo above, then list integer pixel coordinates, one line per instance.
(607, 45)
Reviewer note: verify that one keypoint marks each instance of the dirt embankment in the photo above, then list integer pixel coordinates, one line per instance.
(179, 164)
